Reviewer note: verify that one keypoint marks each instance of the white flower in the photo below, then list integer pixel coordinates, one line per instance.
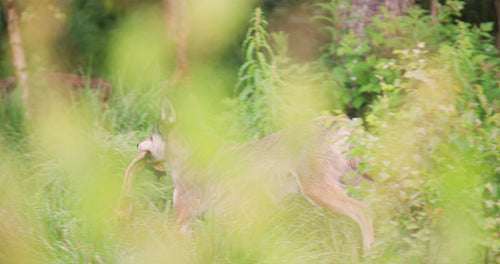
(421, 45)
(354, 61)
(389, 64)
(353, 78)
(415, 51)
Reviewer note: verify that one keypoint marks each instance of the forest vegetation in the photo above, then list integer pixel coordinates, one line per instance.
(421, 78)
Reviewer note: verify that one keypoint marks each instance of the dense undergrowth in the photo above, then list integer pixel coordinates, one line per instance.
(427, 89)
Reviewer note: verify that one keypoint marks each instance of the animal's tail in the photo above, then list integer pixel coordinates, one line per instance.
(331, 122)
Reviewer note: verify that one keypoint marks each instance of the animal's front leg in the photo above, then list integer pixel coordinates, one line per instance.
(185, 206)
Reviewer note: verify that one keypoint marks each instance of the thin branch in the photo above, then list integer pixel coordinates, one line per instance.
(16, 44)
(177, 26)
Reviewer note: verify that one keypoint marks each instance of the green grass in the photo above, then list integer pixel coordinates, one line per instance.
(60, 183)
(61, 172)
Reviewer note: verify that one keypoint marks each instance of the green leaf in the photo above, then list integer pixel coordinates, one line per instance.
(479, 58)
(325, 18)
(371, 60)
(383, 9)
(411, 226)
(487, 26)
(339, 74)
(250, 51)
(244, 67)
(358, 102)
(261, 59)
(369, 88)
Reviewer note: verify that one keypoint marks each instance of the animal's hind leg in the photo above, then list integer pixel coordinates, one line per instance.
(324, 192)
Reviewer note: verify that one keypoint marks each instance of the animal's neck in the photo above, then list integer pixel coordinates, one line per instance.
(177, 155)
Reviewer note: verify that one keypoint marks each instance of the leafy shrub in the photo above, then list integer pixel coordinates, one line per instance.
(429, 94)
(272, 91)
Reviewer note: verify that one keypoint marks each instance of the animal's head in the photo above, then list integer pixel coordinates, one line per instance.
(152, 149)
(156, 143)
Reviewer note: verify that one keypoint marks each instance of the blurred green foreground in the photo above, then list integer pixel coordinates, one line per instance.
(426, 89)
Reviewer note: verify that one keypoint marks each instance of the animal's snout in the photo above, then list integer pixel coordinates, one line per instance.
(154, 146)
(145, 145)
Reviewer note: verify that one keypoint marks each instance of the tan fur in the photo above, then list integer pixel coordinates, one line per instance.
(311, 156)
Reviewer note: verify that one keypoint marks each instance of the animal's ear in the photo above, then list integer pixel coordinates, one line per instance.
(167, 111)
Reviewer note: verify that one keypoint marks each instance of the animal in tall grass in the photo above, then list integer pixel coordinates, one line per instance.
(312, 156)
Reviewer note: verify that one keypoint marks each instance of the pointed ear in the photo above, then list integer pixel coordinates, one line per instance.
(167, 111)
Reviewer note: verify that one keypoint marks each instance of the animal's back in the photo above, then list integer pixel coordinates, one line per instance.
(319, 144)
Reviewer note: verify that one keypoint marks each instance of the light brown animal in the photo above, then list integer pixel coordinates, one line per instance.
(311, 156)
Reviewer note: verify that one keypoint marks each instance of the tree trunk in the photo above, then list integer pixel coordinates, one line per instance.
(366, 9)
(433, 10)
(16, 44)
(177, 26)
(497, 7)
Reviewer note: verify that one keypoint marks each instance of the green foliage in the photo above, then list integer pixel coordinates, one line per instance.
(427, 87)
(370, 65)
(86, 36)
(346, 57)
(429, 93)
(254, 84)
(272, 91)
